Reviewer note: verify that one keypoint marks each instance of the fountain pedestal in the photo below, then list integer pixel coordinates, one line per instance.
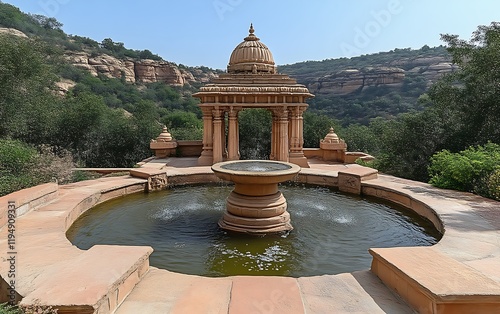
(256, 205)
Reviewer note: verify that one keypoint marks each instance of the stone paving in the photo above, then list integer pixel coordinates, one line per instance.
(463, 266)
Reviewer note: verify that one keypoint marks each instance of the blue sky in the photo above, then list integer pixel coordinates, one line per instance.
(204, 32)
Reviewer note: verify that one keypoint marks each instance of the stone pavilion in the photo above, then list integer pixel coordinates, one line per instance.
(252, 81)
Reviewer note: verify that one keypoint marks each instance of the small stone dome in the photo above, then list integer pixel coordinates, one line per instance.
(251, 56)
(164, 136)
(331, 137)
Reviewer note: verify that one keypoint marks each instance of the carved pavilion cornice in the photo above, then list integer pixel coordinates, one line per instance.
(232, 89)
(254, 85)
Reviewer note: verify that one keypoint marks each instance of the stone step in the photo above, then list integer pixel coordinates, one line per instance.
(357, 292)
(432, 282)
(162, 291)
(96, 281)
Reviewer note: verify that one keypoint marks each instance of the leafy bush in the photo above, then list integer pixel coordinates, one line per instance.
(187, 133)
(23, 166)
(5, 308)
(38, 309)
(493, 185)
(476, 169)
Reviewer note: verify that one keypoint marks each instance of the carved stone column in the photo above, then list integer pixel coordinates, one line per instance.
(233, 142)
(217, 136)
(206, 158)
(294, 129)
(297, 138)
(281, 148)
(274, 136)
(223, 135)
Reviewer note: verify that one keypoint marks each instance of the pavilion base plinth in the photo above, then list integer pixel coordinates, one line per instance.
(280, 223)
(299, 159)
(205, 160)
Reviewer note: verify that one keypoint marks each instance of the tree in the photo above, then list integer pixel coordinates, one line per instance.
(49, 23)
(316, 126)
(27, 105)
(255, 133)
(471, 95)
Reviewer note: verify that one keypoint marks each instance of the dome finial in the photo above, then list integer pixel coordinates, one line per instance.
(251, 36)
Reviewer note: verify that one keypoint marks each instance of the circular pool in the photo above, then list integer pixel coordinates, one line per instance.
(332, 234)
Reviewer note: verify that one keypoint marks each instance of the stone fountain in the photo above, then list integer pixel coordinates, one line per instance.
(256, 205)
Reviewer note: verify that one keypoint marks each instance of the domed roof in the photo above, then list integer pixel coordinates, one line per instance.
(251, 56)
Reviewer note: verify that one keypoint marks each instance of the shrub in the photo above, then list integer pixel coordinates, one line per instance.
(23, 165)
(37, 309)
(476, 169)
(187, 133)
(493, 185)
(5, 308)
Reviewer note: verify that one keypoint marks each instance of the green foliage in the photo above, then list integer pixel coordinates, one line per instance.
(5, 308)
(22, 165)
(187, 133)
(255, 133)
(375, 101)
(118, 50)
(181, 119)
(316, 126)
(25, 82)
(360, 138)
(471, 95)
(493, 185)
(474, 169)
(101, 136)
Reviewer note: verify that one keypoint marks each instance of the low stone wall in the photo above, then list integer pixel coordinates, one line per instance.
(189, 148)
(26, 200)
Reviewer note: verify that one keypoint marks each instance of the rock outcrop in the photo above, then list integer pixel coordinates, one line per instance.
(150, 71)
(138, 71)
(434, 71)
(351, 80)
(63, 86)
(13, 32)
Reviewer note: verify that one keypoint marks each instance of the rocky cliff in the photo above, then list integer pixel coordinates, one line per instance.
(131, 70)
(138, 71)
(345, 80)
(351, 80)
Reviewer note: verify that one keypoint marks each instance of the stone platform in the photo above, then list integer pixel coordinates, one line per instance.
(460, 274)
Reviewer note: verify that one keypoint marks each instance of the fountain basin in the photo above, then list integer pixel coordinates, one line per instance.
(256, 205)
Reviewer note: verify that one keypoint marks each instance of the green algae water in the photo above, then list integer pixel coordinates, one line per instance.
(332, 232)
